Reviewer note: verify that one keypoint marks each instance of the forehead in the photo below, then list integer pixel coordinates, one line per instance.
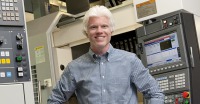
(99, 19)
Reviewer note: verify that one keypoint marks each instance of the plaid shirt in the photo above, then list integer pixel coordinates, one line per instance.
(112, 78)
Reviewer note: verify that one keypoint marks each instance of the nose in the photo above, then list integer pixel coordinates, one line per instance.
(99, 29)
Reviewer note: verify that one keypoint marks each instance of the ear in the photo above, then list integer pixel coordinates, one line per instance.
(85, 33)
(112, 31)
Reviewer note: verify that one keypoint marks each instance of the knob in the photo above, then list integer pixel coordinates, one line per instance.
(19, 46)
(1, 42)
(19, 37)
(176, 20)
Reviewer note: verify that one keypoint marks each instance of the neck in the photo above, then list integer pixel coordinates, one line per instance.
(100, 50)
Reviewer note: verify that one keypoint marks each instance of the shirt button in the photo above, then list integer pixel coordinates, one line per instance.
(102, 63)
(104, 90)
(103, 77)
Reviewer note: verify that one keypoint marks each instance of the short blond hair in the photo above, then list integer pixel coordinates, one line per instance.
(98, 11)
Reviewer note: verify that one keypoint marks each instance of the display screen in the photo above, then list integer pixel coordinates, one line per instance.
(162, 50)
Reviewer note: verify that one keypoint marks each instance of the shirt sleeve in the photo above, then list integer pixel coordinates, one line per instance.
(64, 88)
(145, 83)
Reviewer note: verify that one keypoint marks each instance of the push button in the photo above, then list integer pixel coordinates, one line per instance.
(20, 74)
(2, 74)
(19, 46)
(186, 102)
(18, 58)
(186, 94)
(19, 69)
(8, 74)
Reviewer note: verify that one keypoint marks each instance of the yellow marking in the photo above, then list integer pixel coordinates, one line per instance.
(3, 61)
(8, 61)
(38, 48)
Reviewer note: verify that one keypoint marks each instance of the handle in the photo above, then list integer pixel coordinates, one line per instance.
(140, 48)
(192, 57)
(39, 93)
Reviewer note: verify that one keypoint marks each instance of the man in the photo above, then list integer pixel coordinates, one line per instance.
(105, 75)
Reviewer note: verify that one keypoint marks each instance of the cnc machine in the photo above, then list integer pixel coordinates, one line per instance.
(15, 75)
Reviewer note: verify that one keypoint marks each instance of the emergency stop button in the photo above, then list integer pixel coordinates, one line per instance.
(186, 94)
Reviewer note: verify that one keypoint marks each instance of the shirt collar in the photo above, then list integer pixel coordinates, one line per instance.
(108, 53)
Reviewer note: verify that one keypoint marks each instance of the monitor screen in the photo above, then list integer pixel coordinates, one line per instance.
(162, 50)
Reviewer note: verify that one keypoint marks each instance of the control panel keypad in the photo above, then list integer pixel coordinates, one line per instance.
(8, 7)
(172, 81)
(5, 57)
(177, 98)
(10, 12)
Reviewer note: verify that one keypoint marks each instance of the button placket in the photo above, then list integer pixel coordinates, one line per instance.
(102, 72)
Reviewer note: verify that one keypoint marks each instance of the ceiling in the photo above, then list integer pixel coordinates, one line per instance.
(39, 8)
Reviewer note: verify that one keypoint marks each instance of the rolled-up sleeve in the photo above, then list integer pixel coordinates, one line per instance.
(155, 101)
(145, 83)
(64, 88)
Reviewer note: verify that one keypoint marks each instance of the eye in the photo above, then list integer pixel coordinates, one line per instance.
(92, 27)
(104, 26)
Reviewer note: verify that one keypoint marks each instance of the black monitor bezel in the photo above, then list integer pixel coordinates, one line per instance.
(167, 67)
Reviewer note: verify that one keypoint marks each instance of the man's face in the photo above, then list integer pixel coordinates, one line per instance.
(99, 32)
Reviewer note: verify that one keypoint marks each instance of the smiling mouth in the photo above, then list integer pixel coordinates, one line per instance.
(100, 37)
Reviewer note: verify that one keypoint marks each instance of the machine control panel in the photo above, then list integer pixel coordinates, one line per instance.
(170, 21)
(14, 63)
(171, 53)
(15, 73)
(173, 81)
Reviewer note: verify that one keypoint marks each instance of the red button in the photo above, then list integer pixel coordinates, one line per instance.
(176, 102)
(185, 94)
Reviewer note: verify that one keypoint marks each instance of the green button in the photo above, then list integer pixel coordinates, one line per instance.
(186, 102)
(19, 58)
